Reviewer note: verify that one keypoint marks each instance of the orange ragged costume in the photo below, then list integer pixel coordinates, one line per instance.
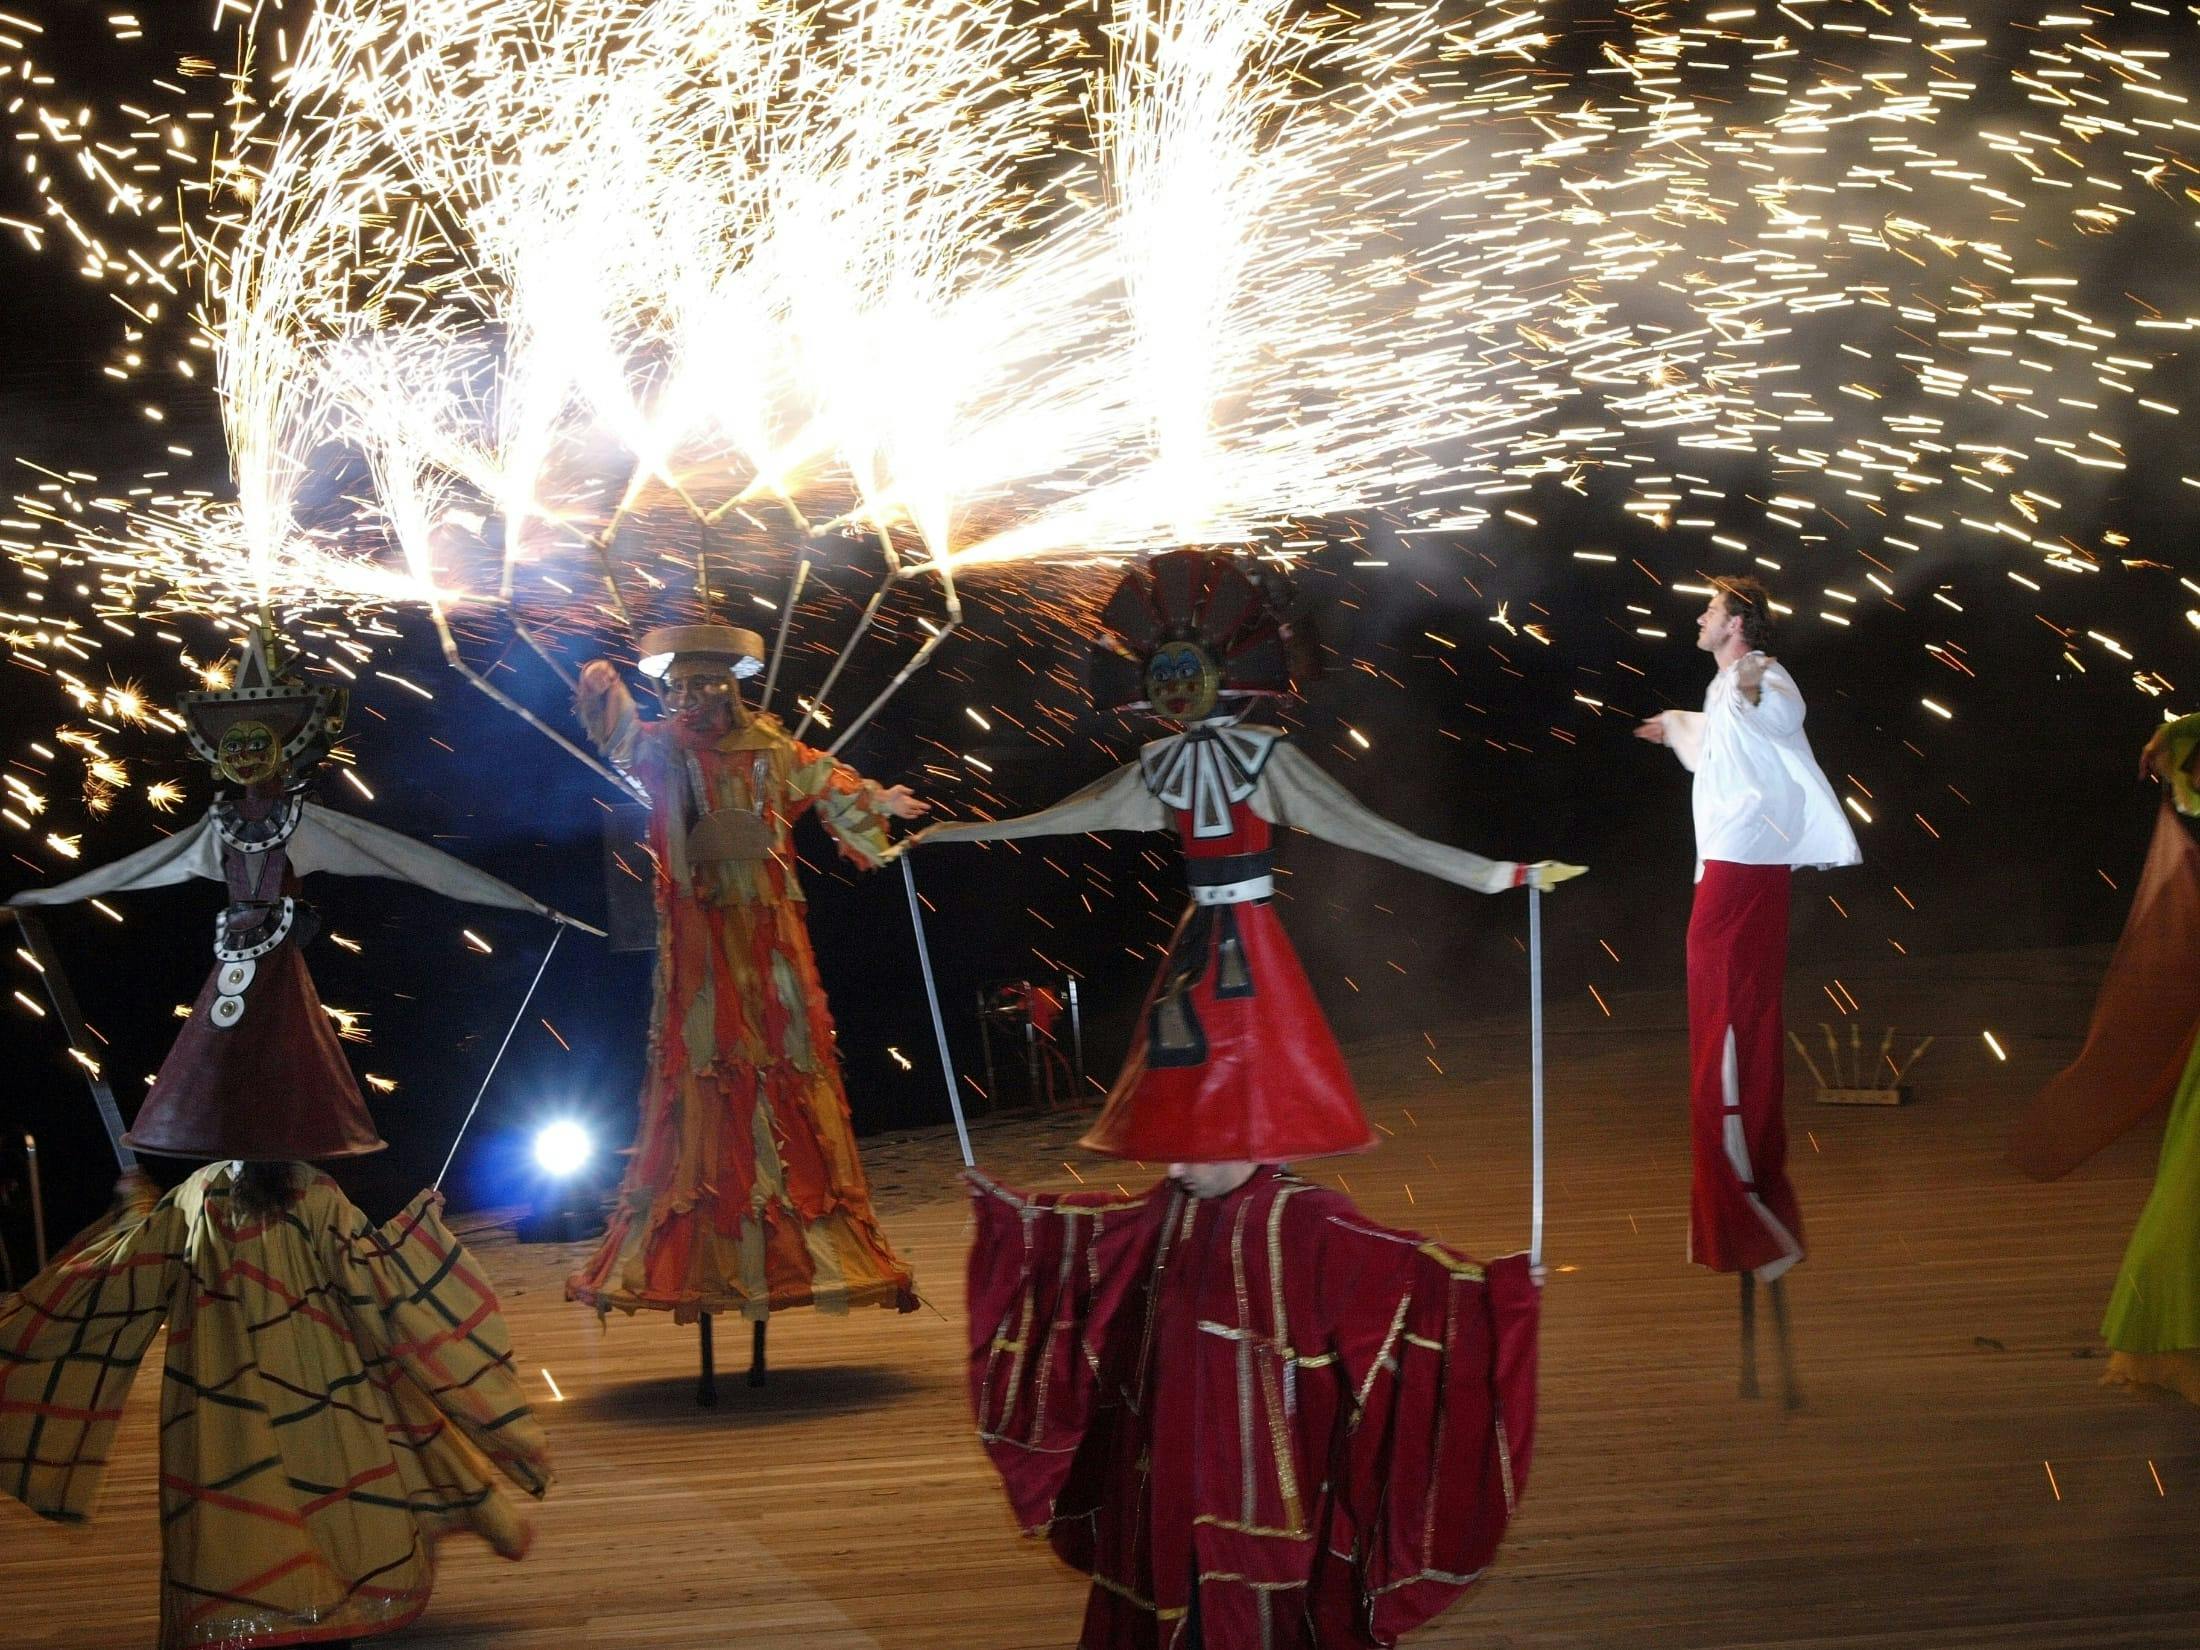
(337, 1395)
(745, 1193)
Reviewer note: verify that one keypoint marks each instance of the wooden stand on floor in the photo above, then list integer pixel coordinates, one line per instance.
(1864, 1097)
(1852, 1078)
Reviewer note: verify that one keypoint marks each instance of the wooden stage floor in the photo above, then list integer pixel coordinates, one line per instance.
(1958, 1477)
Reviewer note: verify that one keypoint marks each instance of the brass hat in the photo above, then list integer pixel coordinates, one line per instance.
(741, 649)
(305, 717)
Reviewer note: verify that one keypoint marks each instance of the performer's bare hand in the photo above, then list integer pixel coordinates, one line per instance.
(598, 676)
(1546, 874)
(1749, 673)
(903, 803)
(1652, 730)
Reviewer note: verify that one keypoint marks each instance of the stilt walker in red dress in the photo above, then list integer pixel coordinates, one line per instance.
(1761, 807)
(1253, 1416)
(745, 1193)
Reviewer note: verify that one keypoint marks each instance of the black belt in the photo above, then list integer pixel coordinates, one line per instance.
(1227, 868)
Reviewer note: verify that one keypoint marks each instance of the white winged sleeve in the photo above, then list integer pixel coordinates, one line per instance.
(1294, 792)
(1118, 802)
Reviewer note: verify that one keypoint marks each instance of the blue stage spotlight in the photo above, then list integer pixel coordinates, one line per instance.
(566, 1201)
(563, 1149)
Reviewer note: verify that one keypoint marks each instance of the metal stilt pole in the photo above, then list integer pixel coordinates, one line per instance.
(1535, 1064)
(939, 1026)
(1790, 1394)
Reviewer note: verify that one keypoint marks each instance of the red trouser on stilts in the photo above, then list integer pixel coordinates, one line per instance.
(1743, 1214)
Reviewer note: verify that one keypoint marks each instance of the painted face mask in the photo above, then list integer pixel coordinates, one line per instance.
(249, 753)
(1182, 682)
(700, 694)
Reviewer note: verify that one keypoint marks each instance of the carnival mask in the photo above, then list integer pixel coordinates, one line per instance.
(700, 695)
(249, 753)
(1182, 682)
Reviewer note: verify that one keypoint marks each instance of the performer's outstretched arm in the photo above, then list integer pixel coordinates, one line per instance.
(189, 853)
(854, 809)
(1679, 731)
(1118, 802)
(1053, 1281)
(1294, 792)
(1778, 705)
(1439, 1355)
(607, 711)
(70, 1344)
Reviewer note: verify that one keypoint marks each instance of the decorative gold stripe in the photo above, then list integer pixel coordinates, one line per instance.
(1216, 1521)
(1443, 1577)
(1173, 1612)
(1462, 1269)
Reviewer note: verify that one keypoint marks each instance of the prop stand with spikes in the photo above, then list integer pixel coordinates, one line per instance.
(1236, 1318)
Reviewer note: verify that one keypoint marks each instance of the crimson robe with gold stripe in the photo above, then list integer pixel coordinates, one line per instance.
(1259, 1420)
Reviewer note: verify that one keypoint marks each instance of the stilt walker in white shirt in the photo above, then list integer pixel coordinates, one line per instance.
(1762, 808)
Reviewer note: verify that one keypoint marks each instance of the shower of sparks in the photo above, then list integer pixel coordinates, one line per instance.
(498, 298)
(1013, 282)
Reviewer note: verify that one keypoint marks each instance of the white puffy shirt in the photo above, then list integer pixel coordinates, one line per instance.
(1759, 797)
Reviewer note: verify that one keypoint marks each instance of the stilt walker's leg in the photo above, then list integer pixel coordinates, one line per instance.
(1749, 1335)
(756, 1351)
(706, 1386)
(1790, 1393)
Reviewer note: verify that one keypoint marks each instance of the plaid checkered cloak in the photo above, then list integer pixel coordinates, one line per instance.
(336, 1395)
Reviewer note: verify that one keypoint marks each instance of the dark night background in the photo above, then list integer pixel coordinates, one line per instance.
(2010, 826)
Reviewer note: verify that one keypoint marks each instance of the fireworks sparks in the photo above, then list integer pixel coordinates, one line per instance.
(940, 272)
(502, 298)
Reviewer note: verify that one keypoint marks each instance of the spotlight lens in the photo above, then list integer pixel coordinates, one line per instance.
(562, 1148)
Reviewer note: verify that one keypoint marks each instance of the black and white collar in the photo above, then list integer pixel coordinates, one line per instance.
(1207, 768)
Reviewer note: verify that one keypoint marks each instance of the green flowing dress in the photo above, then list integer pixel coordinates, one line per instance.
(2153, 1322)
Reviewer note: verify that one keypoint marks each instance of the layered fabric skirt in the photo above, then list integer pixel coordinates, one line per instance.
(1743, 1214)
(745, 1193)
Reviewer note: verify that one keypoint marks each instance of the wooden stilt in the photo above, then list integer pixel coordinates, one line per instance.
(1749, 1335)
(1790, 1393)
(706, 1387)
(756, 1351)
